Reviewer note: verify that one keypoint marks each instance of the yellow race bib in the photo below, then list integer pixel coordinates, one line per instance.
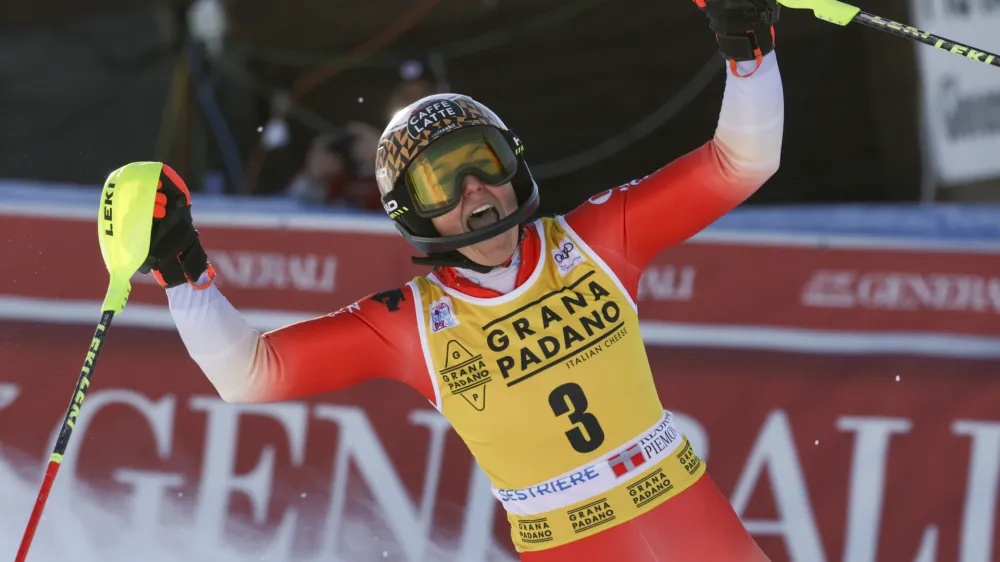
(550, 388)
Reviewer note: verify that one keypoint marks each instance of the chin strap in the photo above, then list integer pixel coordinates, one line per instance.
(455, 258)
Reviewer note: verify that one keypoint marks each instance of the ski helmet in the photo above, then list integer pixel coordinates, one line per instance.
(418, 181)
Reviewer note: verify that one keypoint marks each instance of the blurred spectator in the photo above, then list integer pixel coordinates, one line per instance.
(339, 168)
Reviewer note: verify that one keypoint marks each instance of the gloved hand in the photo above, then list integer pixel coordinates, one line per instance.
(744, 29)
(175, 252)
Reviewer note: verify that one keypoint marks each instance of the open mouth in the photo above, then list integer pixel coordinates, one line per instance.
(483, 216)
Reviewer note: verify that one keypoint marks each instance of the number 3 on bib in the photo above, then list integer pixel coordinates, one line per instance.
(569, 398)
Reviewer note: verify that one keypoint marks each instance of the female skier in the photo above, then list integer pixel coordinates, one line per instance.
(525, 335)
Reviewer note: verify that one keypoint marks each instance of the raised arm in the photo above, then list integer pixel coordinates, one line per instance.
(320, 355)
(628, 226)
(316, 356)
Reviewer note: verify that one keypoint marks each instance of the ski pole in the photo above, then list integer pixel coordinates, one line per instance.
(124, 223)
(840, 13)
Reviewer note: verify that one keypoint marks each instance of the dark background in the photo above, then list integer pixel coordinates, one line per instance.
(85, 87)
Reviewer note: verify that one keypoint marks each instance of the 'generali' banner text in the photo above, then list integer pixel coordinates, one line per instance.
(719, 283)
(844, 396)
(825, 457)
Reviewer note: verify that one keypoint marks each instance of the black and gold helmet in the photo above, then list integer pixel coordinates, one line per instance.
(426, 151)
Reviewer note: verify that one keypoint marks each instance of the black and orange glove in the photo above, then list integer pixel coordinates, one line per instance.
(744, 29)
(175, 253)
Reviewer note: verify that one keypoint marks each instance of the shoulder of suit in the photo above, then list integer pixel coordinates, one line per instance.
(386, 302)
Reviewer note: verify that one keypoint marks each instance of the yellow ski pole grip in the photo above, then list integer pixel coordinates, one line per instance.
(124, 224)
(827, 10)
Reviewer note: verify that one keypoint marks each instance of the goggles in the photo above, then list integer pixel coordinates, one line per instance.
(435, 177)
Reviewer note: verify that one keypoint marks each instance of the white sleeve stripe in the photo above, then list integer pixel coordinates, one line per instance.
(219, 340)
(751, 121)
(418, 306)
